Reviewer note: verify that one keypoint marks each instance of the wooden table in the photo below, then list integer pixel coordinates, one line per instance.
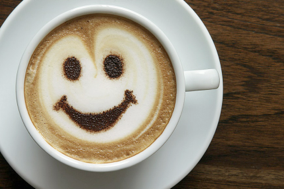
(247, 150)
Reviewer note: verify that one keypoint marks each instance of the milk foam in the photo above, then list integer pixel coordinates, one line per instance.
(94, 92)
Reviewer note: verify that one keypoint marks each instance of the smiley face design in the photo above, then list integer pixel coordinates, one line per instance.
(94, 122)
(100, 86)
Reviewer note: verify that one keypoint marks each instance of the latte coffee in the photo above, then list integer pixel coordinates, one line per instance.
(100, 88)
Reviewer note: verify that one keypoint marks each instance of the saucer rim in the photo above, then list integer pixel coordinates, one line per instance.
(213, 129)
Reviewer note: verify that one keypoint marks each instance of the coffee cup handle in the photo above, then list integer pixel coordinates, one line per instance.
(201, 80)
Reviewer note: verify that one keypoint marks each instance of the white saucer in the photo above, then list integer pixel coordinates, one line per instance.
(162, 170)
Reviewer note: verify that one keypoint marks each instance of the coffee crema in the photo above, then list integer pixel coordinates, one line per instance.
(100, 88)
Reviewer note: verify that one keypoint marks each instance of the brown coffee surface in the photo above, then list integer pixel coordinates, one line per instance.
(86, 27)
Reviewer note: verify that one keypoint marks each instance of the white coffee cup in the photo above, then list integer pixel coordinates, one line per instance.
(185, 81)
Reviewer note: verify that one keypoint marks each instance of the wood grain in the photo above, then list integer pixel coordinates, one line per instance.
(247, 150)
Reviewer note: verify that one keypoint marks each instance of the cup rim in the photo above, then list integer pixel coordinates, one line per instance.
(113, 10)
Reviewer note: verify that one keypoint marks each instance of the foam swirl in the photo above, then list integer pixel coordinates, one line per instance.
(94, 91)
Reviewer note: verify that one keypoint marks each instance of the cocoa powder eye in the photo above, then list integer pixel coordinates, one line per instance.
(72, 68)
(113, 66)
